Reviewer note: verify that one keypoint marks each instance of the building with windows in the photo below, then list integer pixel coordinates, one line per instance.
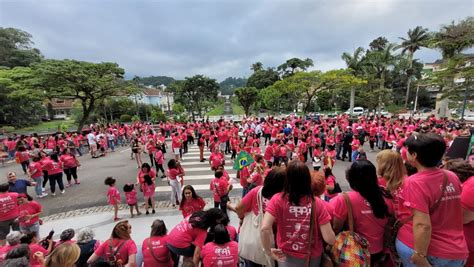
(156, 97)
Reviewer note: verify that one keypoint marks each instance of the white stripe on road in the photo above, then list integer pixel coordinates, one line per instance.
(125, 150)
(197, 187)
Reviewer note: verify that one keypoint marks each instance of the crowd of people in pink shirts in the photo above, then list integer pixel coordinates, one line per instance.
(301, 211)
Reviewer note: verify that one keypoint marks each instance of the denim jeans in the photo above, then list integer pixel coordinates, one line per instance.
(354, 155)
(39, 185)
(11, 154)
(31, 229)
(405, 253)
(296, 262)
(111, 144)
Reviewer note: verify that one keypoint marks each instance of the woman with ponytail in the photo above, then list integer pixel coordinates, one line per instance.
(370, 207)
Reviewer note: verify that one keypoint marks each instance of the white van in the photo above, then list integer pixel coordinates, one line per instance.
(356, 111)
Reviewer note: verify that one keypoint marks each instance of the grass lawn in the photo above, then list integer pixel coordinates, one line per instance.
(237, 109)
(217, 111)
(47, 126)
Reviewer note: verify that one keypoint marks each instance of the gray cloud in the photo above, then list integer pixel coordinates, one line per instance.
(220, 38)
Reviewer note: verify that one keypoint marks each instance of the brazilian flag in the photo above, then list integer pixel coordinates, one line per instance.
(243, 159)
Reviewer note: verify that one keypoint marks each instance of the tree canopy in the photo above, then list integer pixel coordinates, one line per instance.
(263, 78)
(293, 65)
(196, 93)
(247, 97)
(16, 48)
(228, 85)
(156, 80)
(85, 81)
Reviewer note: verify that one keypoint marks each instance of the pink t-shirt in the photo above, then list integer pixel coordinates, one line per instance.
(68, 160)
(467, 202)
(127, 249)
(8, 206)
(148, 190)
(420, 192)
(365, 222)
(4, 250)
(250, 201)
(173, 173)
(113, 195)
(131, 197)
(293, 224)
(52, 167)
(35, 169)
(226, 255)
(26, 209)
(190, 206)
(219, 187)
(33, 249)
(159, 157)
(183, 235)
(160, 251)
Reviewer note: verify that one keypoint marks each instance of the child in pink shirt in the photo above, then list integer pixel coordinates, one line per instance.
(131, 197)
(113, 196)
(148, 188)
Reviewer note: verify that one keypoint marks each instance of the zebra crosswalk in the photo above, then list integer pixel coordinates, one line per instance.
(199, 174)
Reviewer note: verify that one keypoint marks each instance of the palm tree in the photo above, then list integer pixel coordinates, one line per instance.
(378, 62)
(417, 38)
(257, 66)
(354, 62)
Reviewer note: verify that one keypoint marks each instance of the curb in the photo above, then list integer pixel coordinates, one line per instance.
(161, 207)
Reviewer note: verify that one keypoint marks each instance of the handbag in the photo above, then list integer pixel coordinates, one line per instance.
(250, 246)
(167, 260)
(393, 225)
(350, 249)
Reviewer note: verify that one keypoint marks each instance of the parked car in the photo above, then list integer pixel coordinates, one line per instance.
(469, 117)
(358, 111)
(425, 110)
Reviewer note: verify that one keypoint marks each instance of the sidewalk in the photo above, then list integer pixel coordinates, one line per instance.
(99, 219)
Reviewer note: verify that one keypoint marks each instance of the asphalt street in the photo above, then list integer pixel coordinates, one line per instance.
(92, 191)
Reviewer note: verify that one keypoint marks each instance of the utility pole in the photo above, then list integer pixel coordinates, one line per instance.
(416, 98)
(464, 104)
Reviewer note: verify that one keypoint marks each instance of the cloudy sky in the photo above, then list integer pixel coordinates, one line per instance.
(220, 38)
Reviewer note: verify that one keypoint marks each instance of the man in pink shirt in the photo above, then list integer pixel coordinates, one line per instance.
(430, 202)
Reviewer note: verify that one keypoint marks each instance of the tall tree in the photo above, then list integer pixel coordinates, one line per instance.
(293, 65)
(263, 78)
(355, 64)
(16, 48)
(378, 44)
(416, 39)
(20, 103)
(257, 66)
(228, 85)
(452, 40)
(195, 92)
(88, 82)
(247, 97)
(378, 63)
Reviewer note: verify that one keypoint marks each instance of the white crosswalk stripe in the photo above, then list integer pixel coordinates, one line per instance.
(199, 174)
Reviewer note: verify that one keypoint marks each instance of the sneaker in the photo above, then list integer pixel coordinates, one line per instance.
(43, 189)
(147, 213)
(44, 195)
(63, 191)
(153, 211)
(77, 181)
(68, 185)
(132, 216)
(53, 194)
(139, 213)
(117, 219)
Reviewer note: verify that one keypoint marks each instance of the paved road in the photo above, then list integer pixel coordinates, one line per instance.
(92, 191)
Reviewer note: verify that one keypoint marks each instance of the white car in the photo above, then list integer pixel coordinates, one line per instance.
(358, 111)
(469, 117)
